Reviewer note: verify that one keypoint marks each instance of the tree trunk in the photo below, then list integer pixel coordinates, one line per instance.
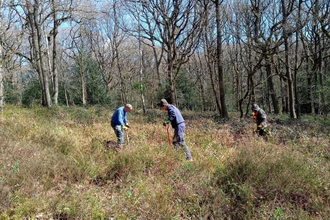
(291, 101)
(140, 63)
(1, 79)
(224, 112)
(46, 100)
(296, 66)
(2, 61)
(83, 85)
(171, 81)
(54, 58)
(141, 80)
(83, 80)
(37, 53)
(201, 81)
(271, 88)
(210, 62)
(211, 72)
(287, 63)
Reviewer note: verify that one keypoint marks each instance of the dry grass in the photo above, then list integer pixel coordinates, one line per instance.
(55, 165)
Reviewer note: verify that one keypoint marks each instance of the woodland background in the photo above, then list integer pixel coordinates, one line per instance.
(200, 55)
(67, 65)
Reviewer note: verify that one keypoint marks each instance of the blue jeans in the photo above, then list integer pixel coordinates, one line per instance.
(119, 133)
(178, 139)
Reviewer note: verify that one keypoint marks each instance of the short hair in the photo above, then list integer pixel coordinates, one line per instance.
(255, 107)
(128, 106)
(163, 102)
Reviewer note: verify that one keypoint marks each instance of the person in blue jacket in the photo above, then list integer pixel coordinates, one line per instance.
(119, 122)
(177, 122)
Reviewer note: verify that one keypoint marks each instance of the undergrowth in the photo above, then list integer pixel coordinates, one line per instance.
(55, 165)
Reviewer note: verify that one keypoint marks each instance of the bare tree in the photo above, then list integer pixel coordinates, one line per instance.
(262, 28)
(35, 18)
(297, 60)
(223, 110)
(316, 48)
(245, 55)
(320, 10)
(287, 8)
(52, 38)
(196, 67)
(79, 53)
(176, 27)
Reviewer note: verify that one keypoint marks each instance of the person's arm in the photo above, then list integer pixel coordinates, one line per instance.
(121, 118)
(263, 118)
(125, 118)
(171, 114)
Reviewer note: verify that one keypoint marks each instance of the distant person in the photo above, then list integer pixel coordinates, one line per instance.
(177, 122)
(119, 123)
(261, 119)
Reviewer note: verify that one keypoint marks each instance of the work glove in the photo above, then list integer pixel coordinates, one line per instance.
(125, 128)
(166, 122)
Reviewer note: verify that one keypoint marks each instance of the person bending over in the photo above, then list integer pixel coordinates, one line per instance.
(119, 123)
(177, 122)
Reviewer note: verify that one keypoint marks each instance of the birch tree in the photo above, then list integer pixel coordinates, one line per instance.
(40, 22)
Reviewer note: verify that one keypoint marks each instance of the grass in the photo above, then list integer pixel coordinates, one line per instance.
(55, 165)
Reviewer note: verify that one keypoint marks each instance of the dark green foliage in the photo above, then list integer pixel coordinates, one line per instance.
(61, 95)
(187, 91)
(12, 95)
(32, 94)
(88, 68)
(96, 91)
(164, 92)
(137, 86)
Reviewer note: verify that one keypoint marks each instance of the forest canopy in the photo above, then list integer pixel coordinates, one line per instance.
(217, 55)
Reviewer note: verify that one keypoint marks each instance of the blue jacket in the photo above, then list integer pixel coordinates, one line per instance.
(119, 117)
(174, 115)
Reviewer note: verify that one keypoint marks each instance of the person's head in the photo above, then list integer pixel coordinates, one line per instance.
(128, 107)
(255, 107)
(163, 104)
